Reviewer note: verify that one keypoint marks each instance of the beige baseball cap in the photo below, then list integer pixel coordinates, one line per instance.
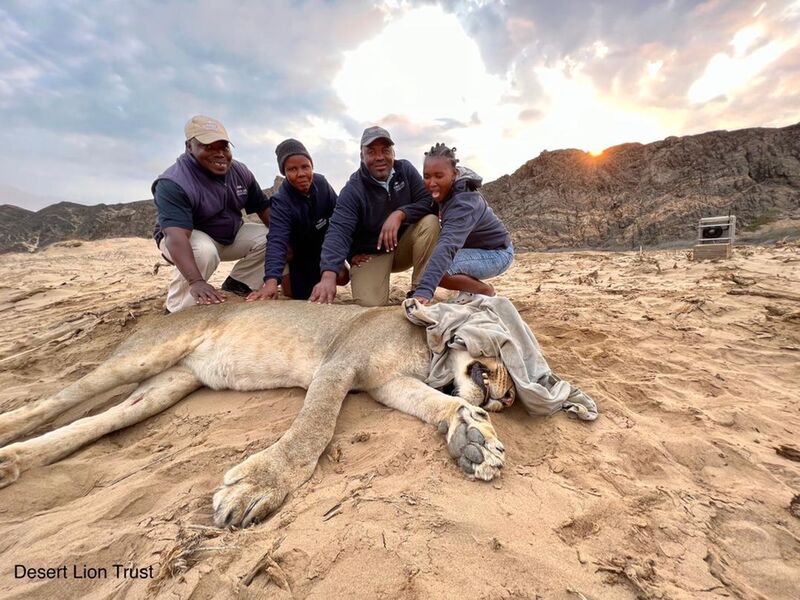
(205, 129)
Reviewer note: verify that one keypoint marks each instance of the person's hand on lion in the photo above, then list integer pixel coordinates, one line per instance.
(205, 293)
(325, 291)
(422, 300)
(268, 291)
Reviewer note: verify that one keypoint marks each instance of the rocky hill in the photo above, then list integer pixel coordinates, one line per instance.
(27, 231)
(70, 221)
(650, 194)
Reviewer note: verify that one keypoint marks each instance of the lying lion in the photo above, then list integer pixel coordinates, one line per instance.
(328, 350)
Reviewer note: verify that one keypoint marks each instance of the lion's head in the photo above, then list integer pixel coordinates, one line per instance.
(482, 381)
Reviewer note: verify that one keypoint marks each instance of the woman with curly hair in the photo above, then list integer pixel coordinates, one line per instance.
(473, 244)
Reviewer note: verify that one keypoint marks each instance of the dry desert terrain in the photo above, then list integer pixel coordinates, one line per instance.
(677, 490)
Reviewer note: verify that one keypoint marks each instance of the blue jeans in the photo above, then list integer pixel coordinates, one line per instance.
(480, 263)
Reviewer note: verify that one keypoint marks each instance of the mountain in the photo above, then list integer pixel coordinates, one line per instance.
(26, 200)
(26, 231)
(70, 221)
(11, 217)
(650, 194)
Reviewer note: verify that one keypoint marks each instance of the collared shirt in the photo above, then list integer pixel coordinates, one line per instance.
(384, 184)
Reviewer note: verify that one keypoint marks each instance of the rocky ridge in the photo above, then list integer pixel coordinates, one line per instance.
(648, 194)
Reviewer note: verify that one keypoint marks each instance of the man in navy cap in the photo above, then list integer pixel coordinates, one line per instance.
(362, 232)
(199, 202)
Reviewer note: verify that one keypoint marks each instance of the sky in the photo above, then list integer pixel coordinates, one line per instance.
(94, 95)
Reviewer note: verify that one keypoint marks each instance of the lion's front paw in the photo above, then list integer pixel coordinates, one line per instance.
(256, 488)
(9, 467)
(472, 441)
(246, 502)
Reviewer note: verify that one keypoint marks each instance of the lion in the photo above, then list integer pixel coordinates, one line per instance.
(329, 350)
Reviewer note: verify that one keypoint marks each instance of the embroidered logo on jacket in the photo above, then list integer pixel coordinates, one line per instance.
(399, 185)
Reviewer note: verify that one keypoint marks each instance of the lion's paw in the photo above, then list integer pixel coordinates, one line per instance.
(246, 502)
(256, 488)
(472, 441)
(9, 467)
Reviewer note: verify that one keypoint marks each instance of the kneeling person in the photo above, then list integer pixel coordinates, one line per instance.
(473, 244)
(299, 215)
(199, 202)
(362, 233)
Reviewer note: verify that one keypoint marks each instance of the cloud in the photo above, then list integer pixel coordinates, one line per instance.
(438, 75)
(530, 114)
(649, 59)
(97, 71)
(727, 72)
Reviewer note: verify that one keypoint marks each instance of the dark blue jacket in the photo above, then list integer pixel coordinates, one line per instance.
(467, 222)
(299, 222)
(208, 203)
(363, 207)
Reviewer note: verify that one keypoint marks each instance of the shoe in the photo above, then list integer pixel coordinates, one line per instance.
(234, 286)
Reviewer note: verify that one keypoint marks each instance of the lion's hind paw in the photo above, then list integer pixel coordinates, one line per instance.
(9, 467)
(472, 441)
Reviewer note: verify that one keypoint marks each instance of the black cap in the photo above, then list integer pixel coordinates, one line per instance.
(375, 133)
(289, 148)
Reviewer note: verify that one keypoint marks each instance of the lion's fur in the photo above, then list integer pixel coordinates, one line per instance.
(328, 350)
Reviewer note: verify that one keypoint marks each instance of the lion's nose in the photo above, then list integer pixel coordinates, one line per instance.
(509, 397)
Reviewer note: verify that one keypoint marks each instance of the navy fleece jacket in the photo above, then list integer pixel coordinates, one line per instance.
(299, 222)
(467, 222)
(362, 208)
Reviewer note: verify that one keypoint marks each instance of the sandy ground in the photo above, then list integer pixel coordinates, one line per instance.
(676, 491)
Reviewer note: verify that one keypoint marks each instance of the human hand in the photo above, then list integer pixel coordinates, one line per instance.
(205, 293)
(268, 291)
(388, 235)
(422, 300)
(360, 259)
(325, 291)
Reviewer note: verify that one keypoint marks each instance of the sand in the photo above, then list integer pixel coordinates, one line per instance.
(676, 491)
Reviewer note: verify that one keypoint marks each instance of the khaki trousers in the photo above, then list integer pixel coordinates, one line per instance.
(370, 282)
(248, 248)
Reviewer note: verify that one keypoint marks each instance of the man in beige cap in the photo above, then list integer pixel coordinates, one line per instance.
(199, 202)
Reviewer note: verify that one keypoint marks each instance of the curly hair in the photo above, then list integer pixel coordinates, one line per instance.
(439, 150)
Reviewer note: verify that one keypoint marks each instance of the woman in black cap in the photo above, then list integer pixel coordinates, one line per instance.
(299, 216)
